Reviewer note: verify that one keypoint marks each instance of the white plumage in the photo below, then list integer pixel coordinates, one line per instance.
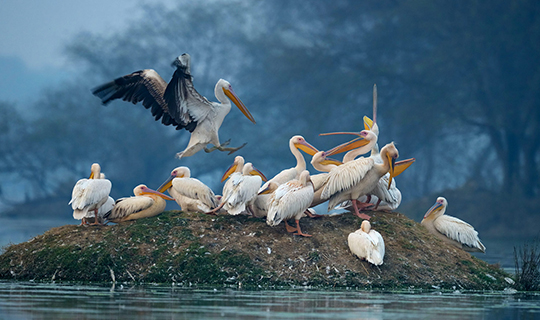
(89, 194)
(367, 243)
(241, 190)
(178, 103)
(290, 200)
(451, 230)
(191, 194)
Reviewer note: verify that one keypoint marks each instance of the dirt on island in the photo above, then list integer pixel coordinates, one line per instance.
(198, 249)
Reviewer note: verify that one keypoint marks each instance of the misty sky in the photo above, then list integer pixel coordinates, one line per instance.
(33, 34)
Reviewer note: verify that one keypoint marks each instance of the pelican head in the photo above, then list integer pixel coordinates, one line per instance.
(179, 172)
(270, 187)
(226, 87)
(95, 171)
(183, 62)
(366, 139)
(237, 165)
(300, 143)
(391, 153)
(365, 226)
(321, 158)
(437, 209)
(249, 169)
(142, 189)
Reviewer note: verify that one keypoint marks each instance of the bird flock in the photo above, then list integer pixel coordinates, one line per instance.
(356, 183)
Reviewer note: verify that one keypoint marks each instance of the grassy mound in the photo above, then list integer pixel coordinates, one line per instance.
(197, 249)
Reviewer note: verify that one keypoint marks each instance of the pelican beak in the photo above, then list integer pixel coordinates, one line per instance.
(256, 172)
(167, 184)
(402, 165)
(392, 162)
(231, 95)
(229, 171)
(91, 175)
(306, 147)
(368, 123)
(436, 207)
(347, 146)
(164, 196)
(329, 161)
(339, 132)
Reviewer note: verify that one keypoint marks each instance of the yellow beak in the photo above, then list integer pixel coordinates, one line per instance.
(229, 171)
(347, 146)
(231, 95)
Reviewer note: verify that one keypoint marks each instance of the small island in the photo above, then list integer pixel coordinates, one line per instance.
(197, 249)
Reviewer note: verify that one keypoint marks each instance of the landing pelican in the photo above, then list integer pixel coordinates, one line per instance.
(451, 230)
(191, 194)
(178, 103)
(146, 203)
(358, 177)
(367, 243)
(290, 200)
(89, 195)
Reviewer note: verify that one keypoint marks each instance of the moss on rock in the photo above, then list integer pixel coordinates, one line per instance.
(198, 249)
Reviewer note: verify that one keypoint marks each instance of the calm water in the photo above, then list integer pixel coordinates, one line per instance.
(25, 300)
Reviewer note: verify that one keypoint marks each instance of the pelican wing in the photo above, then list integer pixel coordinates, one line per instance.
(195, 189)
(359, 242)
(376, 255)
(346, 176)
(459, 231)
(144, 86)
(88, 192)
(127, 206)
(187, 106)
(288, 200)
(246, 189)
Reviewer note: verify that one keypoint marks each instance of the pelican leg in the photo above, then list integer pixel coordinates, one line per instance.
(216, 209)
(357, 212)
(289, 228)
(96, 221)
(83, 221)
(299, 233)
(377, 205)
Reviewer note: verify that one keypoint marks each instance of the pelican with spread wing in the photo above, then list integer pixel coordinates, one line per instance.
(177, 103)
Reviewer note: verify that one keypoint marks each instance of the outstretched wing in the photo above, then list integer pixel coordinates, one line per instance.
(186, 104)
(144, 86)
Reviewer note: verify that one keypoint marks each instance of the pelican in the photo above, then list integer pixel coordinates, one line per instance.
(290, 200)
(358, 177)
(89, 195)
(240, 190)
(191, 194)
(146, 203)
(178, 103)
(451, 230)
(295, 143)
(367, 243)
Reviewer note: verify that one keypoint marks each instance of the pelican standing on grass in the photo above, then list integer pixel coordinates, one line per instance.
(178, 103)
(191, 194)
(451, 230)
(367, 243)
(89, 195)
(290, 200)
(146, 203)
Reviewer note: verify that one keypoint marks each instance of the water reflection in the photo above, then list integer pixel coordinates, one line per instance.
(22, 300)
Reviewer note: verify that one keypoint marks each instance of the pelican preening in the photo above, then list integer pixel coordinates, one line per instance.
(191, 194)
(146, 203)
(367, 243)
(178, 103)
(451, 230)
(289, 200)
(89, 195)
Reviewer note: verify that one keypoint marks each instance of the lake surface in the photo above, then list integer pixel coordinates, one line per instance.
(26, 300)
